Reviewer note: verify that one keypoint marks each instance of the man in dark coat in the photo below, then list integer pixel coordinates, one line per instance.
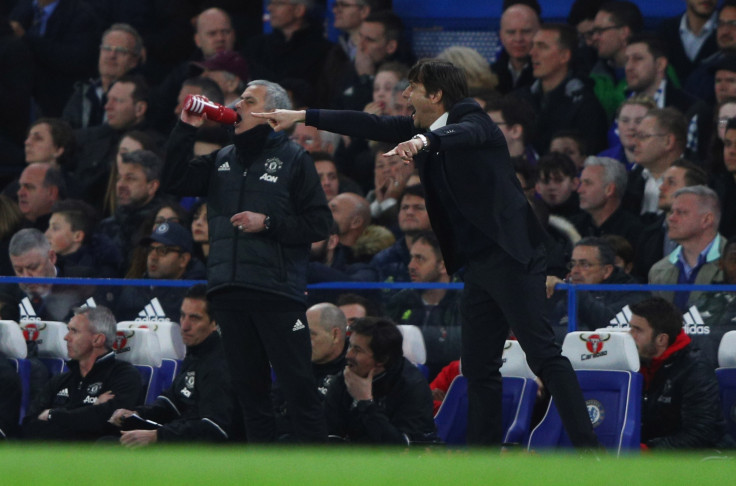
(483, 222)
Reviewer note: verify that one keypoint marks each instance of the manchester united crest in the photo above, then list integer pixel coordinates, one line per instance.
(273, 165)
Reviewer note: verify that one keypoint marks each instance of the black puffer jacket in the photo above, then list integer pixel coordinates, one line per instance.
(265, 173)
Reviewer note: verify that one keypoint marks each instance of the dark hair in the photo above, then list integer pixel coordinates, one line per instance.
(583, 10)
(322, 156)
(605, 251)
(567, 36)
(430, 238)
(199, 292)
(413, 190)
(54, 177)
(209, 88)
(440, 76)
(624, 14)
(732, 240)
(141, 90)
(515, 111)
(671, 121)
(656, 46)
(663, 317)
(386, 339)
(62, 135)
(80, 215)
(555, 162)
(372, 309)
(151, 163)
(392, 25)
(576, 136)
(526, 169)
(621, 247)
(694, 174)
(532, 4)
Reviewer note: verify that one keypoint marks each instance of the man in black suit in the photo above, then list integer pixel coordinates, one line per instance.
(484, 223)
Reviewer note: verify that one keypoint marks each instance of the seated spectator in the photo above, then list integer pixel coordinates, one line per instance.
(660, 140)
(314, 140)
(389, 181)
(723, 111)
(436, 312)
(513, 66)
(654, 243)
(197, 406)
(623, 250)
(515, 118)
(76, 405)
(602, 187)
(11, 220)
(126, 109)
(332, 182)
(594, 262)
(79, 250)
(572, 144)
(557, 183)
(375, 239)
(481, 80)
(230, 71)
(121, 50)
(32, 256)
(724, 181)
(169, 258)
(393, 262)
(693, 224)
(327, 326)
(681, 407)
(352, 214)
(136, 192)
(200, 230)
(355, 306)
(561, 100)
(380, 397)
(628, 116)
(387, 76)
(717, 309)
(41, 185)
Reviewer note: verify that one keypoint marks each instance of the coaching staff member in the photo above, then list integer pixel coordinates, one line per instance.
(265, 206)
(483, 222)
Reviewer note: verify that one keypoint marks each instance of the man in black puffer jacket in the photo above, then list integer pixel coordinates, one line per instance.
(265, 207)
(681, 406)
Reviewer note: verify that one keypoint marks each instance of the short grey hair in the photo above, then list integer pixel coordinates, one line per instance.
(707, 200)
(101, 320)
(331, 317)
(128, 29)
(276, 97)
(330, 138)
(28, 239)
(151, 163)
(613, 172)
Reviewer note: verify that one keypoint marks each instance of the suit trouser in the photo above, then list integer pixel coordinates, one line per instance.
(500, 293)
(252, 340)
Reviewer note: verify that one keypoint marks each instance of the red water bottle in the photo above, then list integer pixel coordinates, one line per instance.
(214, 111)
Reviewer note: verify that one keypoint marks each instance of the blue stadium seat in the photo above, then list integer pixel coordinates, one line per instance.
(140, 347)
(452, 417)
(23, 367)
(607, 367)
(54, 365)
(726, 374)
(169, 369)
(13, 347)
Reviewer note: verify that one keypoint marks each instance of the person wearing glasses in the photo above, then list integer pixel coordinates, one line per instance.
(613, 25)
(700, 82)
(691, 37)
(169, 257)
(593, 262)
(121, 51)
(660, 140)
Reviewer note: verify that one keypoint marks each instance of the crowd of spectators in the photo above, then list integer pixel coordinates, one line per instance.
(624, 142)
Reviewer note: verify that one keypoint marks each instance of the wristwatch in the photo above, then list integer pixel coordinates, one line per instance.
(267, 223)
(425, 142)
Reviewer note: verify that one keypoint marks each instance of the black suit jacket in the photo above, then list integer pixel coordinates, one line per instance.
(473, 170)
(669, 31)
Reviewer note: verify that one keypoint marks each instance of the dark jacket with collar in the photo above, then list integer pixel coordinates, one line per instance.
(198, 405)
(467, 163)
(506, 82)
(669, 32)
(71, 398)
(620, 222)
(681, 406)
(266, 173)
(401, 412)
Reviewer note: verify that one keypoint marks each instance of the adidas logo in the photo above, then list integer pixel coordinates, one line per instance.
(63, 393)
(298, 326)
(694, 323)
(89, 304)
(621, 320)
(224, 167)
(27, 312)
(152, 312)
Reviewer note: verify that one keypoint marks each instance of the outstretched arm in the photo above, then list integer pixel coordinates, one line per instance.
(282, 119)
